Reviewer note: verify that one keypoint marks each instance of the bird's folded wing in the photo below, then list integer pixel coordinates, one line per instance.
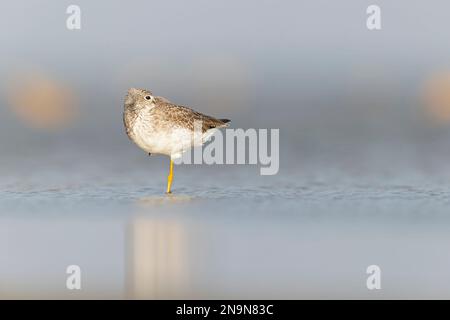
(185, 117)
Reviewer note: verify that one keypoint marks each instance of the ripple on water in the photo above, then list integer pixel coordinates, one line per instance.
(165, 199)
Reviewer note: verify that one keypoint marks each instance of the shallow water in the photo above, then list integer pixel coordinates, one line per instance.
(224, 233)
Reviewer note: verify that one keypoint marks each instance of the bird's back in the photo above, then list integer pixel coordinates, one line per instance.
(184, 117)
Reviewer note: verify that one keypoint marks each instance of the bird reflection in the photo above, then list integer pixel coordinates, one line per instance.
(157, 265)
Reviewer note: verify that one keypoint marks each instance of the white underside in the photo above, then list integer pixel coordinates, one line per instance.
(173, 142)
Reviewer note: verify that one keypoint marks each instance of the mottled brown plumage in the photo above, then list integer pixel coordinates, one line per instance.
(184, 116)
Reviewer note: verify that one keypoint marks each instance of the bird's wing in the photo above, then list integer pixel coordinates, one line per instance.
(185, 117)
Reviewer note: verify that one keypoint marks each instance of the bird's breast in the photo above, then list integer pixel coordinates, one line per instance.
(158, 137)
(142, 132)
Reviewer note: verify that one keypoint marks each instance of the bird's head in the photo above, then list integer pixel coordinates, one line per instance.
(137, 99)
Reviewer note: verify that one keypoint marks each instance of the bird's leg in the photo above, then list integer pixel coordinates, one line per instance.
(170, 177)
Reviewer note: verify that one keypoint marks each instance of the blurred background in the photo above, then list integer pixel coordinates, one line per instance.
(364, 119)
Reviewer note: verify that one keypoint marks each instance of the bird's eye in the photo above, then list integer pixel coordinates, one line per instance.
(147, 97)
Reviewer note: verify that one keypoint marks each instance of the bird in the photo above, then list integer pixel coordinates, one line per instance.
(158, 126)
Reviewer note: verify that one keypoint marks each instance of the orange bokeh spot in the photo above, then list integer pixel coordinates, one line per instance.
(41, 103)
(436, 97)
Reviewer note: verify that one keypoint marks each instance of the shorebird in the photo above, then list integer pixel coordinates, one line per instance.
(160, 127)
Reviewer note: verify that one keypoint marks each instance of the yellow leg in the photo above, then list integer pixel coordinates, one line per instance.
(170, 177)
